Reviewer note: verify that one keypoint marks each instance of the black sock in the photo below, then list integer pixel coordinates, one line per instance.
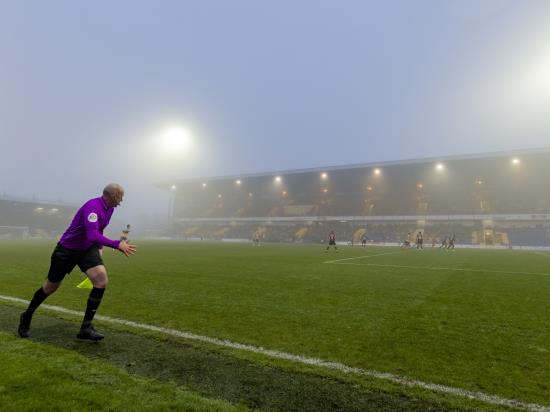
(93, 303)
(37, 299)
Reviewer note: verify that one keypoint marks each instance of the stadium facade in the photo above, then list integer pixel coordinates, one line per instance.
(22, 218)
(498, 198)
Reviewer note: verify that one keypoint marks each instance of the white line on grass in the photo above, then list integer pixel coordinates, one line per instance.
(440, 268)
(362, 257)
(402, 380)
(542, 253)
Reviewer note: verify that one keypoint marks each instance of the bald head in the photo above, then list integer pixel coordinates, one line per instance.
(113, 194)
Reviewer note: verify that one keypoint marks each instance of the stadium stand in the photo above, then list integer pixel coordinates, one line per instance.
(478, 198)
(41, 219)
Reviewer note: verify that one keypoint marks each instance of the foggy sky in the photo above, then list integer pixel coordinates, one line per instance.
(86, 87)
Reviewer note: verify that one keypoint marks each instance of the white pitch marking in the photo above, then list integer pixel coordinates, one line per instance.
(362, 257)
(440, 268)
(402, 380)
(542, 253)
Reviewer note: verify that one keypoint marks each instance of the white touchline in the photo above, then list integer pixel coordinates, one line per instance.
(362, 257)
(441, 268)
(402, 380)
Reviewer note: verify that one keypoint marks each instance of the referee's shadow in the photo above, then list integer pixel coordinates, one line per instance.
(47, 330)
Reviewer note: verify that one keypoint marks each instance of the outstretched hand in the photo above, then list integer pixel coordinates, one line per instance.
(126, 248)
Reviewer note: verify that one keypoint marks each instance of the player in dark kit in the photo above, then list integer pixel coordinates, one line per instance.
(82, 245)
(419, 241)
(444, 243)
(332, 240)
(451, 245)
(364, 241)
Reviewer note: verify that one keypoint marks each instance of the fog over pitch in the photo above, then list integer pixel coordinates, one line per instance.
(90, 90)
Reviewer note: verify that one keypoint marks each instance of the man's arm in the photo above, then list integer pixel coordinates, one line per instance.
(94, 234)
(92, 231)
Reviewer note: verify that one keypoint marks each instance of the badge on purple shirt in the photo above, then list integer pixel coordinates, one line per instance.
(87, 227)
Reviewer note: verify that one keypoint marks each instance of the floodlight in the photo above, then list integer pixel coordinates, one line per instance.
(515, 161)
(173, 187)
(284, 192)
(204, 184)
(324, 176)
(278, 179)
(175, 140)
(419, 186)
(369, 188)
(325, 190)
(439, 167)
(377, 172)
(249, 194)
(220, 196)
(535, 78)
(238, 182)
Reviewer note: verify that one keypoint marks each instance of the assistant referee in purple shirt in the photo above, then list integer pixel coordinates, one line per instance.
(82, 245)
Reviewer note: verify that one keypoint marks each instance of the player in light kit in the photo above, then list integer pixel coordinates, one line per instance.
(331, 241)
(256, 239)
(125, 233)
(407, 241)
(82, 245)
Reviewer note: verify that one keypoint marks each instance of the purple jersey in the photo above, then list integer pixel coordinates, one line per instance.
(87, 226)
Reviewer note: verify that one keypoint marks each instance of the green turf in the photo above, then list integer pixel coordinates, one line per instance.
(37, 377)
(479, 329)
(210, 372)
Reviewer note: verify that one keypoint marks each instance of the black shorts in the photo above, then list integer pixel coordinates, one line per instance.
(332, 242)
(64, 260)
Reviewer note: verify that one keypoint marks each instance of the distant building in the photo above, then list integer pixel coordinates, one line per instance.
(479, 192)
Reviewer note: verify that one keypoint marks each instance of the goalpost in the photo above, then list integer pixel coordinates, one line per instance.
(14, 232)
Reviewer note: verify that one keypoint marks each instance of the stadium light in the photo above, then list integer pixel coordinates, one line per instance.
(515, 161)
(173, 187)
(325, 190)
(324, 176)
(278, 179)
(439, 167)
(54, 210)
(204, 184)
(419, 186)
(175, 140)
(284, 193)
(238, 182)
(369, 188)
(479, 182)
(535, 80)
(250, 194)
(377, 172)
(219, 196)
(39, 209)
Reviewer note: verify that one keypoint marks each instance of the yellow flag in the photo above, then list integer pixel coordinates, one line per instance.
(85, 284)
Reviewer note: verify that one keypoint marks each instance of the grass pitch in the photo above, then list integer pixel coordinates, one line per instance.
(472, 319)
